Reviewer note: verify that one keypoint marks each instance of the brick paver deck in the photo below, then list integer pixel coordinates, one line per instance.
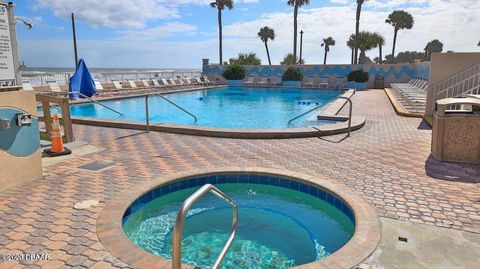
(387, 162)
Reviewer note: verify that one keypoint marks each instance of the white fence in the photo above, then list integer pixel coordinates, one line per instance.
(40, 79)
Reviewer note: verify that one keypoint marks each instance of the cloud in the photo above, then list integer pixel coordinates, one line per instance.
(159, 32)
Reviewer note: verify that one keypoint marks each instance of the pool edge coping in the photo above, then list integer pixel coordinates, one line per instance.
(330, 112)
(363, 242)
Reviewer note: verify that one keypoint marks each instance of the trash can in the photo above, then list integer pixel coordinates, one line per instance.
(379, 82)
(456, 130)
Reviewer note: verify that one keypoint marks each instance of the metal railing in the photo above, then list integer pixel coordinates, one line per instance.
(96, 102)
(464, 82)
(147, 120)
(349, 100)
(182, 213)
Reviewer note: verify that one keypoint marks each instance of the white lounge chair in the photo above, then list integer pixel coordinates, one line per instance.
(98, 85)
(145, 82)
(117, 84)
(26, 85)
(339, 82)
(310, 82)
(131, 83)
(262, 81)
(155, 83)
(54, 88)
(249, 81)
(323, 82)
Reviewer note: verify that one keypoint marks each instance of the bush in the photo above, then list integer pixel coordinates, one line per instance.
(233, 72)
(358, 76)
(292, 74)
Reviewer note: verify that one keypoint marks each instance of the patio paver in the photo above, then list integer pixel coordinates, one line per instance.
(387, 162)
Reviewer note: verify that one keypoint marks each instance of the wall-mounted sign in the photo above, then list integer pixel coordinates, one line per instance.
(7, 67)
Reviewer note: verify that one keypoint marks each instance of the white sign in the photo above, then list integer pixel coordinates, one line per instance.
(7, 68)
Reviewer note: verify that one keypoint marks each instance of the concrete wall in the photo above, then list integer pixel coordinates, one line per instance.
(445, 65)
(391, 72)
(20, 154)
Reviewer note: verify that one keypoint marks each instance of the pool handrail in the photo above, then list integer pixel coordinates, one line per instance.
(180, 219)
(305, 113)
(97, 102)
(147, 120)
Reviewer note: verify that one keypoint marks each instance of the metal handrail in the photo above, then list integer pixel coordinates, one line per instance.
(305, 113)
(147, 120)
(320, 106)
(97, 102)
(182, 213)
(349, 113)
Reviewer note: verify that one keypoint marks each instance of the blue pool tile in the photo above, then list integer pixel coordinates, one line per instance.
(232, 179)
(165, 189)
(192, 182)
(253, 179)
(274, 181)
(243, 179)
(330, 199)
(284, 183)
(338, 203)
(313, 191)
(173, 187)
(303, 188)
(263, 180)
(182, 185)
(212, 180)
(221, 179)
(294, 185)
(322, 194)
(201, 181)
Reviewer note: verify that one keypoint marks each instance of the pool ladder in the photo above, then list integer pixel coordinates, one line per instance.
(182, 213)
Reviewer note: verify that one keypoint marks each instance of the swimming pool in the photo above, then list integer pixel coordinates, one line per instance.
(281, 223)
(226, 107)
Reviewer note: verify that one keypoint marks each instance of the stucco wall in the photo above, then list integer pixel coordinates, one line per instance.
(20, 155)
(391, 72)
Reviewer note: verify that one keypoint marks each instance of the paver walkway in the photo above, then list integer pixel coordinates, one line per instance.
(387, 162)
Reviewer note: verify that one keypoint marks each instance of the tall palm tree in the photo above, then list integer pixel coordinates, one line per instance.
(380, 41)
(357, 25)
(365, 41)
(265, 34)
(296, 4)
(433, 46)
(351, 45)
(327, 42)
(221, 5)
(399, 19)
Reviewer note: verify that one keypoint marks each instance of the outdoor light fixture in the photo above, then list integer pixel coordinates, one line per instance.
(27, 24)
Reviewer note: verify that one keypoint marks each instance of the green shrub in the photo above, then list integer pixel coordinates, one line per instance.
(233, 72)
(358, 76)
(292, 74)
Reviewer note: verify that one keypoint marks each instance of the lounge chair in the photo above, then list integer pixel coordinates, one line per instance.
(200, 82)
(339, 82)
(262, 81)
(249, 81)
(323, 82)
(131, 83)
(98, 85)
(26, 85)
(155, 83)
(53, 86)
(145, 82)
(309, 83)
(117, 84)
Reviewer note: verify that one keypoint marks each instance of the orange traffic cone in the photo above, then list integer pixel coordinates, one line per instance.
(57, 148)
(57, 141)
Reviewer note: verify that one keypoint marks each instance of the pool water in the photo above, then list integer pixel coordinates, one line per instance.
(228, 107)
(277, 227)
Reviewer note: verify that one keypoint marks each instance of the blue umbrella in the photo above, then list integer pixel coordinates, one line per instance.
(82, 81)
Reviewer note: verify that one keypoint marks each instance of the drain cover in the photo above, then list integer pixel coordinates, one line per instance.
(85, 204)
(96, 166)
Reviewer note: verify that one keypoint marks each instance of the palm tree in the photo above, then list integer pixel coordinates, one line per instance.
(327, 42)
(380, 41)
(351, 45)
(296, 4)
(220, 5)
(399, 19)
(365, 41)
(357, 25)
(246, 59)
(288, 60)
(433, 46)
(265, 34)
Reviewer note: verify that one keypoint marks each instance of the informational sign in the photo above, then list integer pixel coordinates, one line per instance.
(7, 68)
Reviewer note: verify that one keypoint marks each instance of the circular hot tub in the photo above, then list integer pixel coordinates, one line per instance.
(284, 220)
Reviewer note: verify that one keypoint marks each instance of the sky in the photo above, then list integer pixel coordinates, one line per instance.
(180, 33)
